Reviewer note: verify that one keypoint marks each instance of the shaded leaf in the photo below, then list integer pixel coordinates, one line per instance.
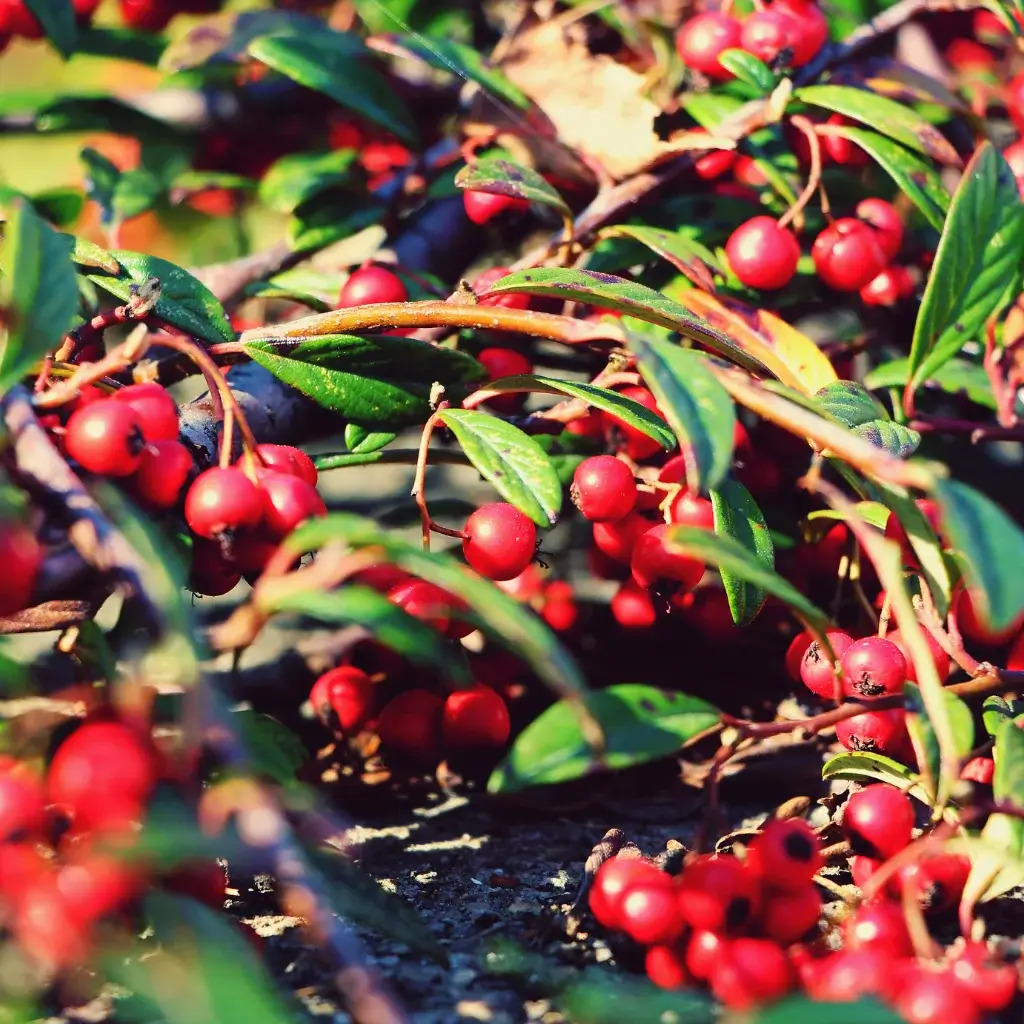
(997, 859)
(738, 516)
(57, 18)
(804, 1010)
(512, 461)
(995, 710)
(1008, 780)
(892, 437)
(270, 290)
(504, 178)
(861, 765)
(120, 195)
(684, 252)
(273, 750)
(921, 729)
(640, 724)
(749, 69)
(330, 217)
(977, 267)
(122, 43)
(850, 403)
(296, 177)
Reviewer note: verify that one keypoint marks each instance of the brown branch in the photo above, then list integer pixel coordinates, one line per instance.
(49, 615)
(978, 433)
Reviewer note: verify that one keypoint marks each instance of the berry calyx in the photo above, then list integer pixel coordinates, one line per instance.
(288, 501)
(763, 255)
(222, 501)
(884, 732)
(157, 411)
(654, 562)
(410, 728)
(499, 541)
(603, 488)
(702, 39)
(786, 854)
(887, 224)
(370, 285)
(878, 821)
(346, 693)
(817, 672)
(873, 667)
(847, 255)
(105, 437)
(718, 894)
(163, 472)
(475, 719)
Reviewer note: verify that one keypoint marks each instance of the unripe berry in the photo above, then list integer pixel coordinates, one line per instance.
(482, 207)
(763, 255)
(163, 472)
(603, 488)
(701, 39)
(370, 285)
(786, 854)
(847, 255)
(884, 732)
(654, 562)
(347, 692)
(878, 821)
(499, 541)
(410, 728)
(157, 411)
(873, 667)
(221, 501)
(105, 437)
(475, 719)
(817, 671)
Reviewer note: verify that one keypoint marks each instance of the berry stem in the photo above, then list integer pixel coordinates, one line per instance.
(419, 479)
(805, 126)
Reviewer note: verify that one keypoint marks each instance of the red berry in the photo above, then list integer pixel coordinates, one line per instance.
(649, 913)
(347, 692)
(879, 926)
(847, 255)
(163, 472)
(654, 562)
(888, 287)
(703, 38)
(884, 732)
(475, 719)
(703, 951)
(1014, 156)
(424, 601)
(715, 162)
(763, 255)
(632, 607)
(221, 501)
(940, 658)
(928, 997)
(894, 529)
(211, 573)
(614, 879)
(873, 667)
(22, 555)
(510, 300)
(973, 625)
(750, 973)
(635, 443)
(283, 458)
(789, 915)
(603, 488)
(816, 671)
(887, 223)
(482, 207)
(616, 540)
(719, 894)
(980, 770)
(157, 411)
(370, 285)
(878, 821)
(17, 20)
(505, 362)
(101, 758)
(767, 33)
(862, 868)
(706, 609)
(786, 854)
(990, 983)
(936, 882)
(146, 15)
(841, 150)
(499, 541)
(410, 728)
(288, 501)
(22, 866)
(812, 29)
(559, 610)
(22, 804)
(1015, 100)
(93, 886)
(848, 975)
(105, 437)
(665, 967)
(795, 654)
(691, 510)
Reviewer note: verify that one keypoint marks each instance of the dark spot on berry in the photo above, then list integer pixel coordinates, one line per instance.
(738, 912)
(866, 686)
(798, 847)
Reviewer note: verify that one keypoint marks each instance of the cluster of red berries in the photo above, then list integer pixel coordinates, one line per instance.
(381, 155)
(789, 31)
(66, 859)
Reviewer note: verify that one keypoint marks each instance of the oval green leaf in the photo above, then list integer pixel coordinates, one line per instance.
(922, 730)
(748, 68)
(1008, 780)
(861, 765)
(894, 438)
(956, 377)
(294, 178)
(510, 460)
(504, 178)
(640, 724)
(850, 403)
(679, 248)
(737, 516)
(361, 440)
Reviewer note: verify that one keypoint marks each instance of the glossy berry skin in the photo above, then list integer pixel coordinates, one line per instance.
(666, 967)
(795, 654)
(714, 163)
(786, 854)
(105, 437)
(221, 501)
(691, 510)
(104, 758)
(991, 984)
(499, 541)
(475, 719)
(763, 255)
(718, 894)
(424, 601)
(702, 38)
(649, 913)
(283, 458)
(884, 732)
(163, 473)
(510, 300)
(878, 821)
(973, 625)
(632, 607)
(847, 255)
(848, 975)
(980, 770)
(636, 444)
(654, 563)
(370, 285)
(839, 150)
(21, 556)
(22, 802)
(410, 728)
(937, 882)
(603, 488)
(505, 362)
(887, 288)
(616, 540)
(930, 997)
(940, 659)
(788, 916)
(703, 951)
(886, 222)
(157, 411)
(146, 15)
(614, 879)
(482, 207)
(766, 34)
(880, 926)
(211, 574)
(812, 28)
(752, 972)
(347, 692)
(873, 667)
(816, 671)
(288, 501)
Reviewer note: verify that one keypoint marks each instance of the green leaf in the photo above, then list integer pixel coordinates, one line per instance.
(1008, 780)
(977, 266)
(738, 516)
(120, 195)
(992, 545)
(273, 750)
(915, 177)
(874, 513)
(299, 176)
(858, 766)
(38, 290)
(184, 300)
(892, 437)
(748, 68)
(626, 409)
(803, 1010)
(360, 439)
(377, 380)
(850, 403)
(640, 724)
(602, 998)
(681, 249)
(955, 377)
(995, 710)
(729, 554)
(325, 62)
(89, 254)
(461, 60)
(504, 178)
(921, 729)
(491, 608)
(57, 17)
(122, 43)
(330, 217)
(997, 859)
(697, 407)
(509, 459)
(637, 300)
(270, 290)
(884, 115)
